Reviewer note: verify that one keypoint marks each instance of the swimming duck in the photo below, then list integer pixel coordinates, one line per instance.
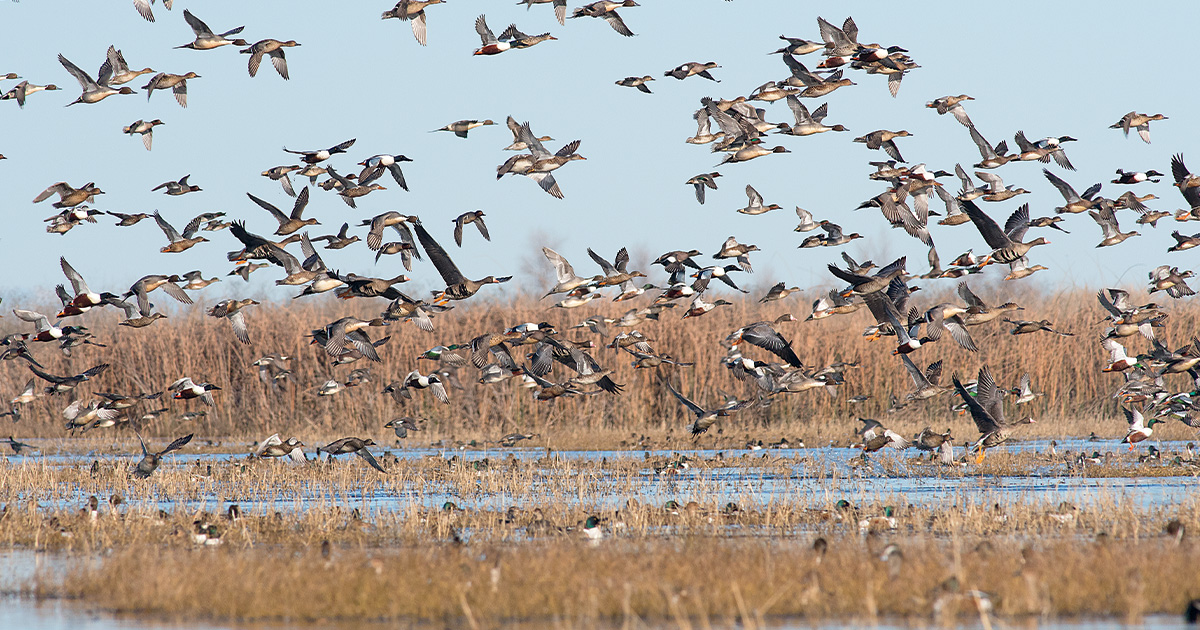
(607, 10)
(96, 90)
(23, 89)
(150, 461)
(755, 205)
(145, 128)
(952, 105)
(693, 68)
(206, 39)
(413, 10)
(179, 243)
(176, 82)
(181, 187)
(272, 48)
(637, 82)
(1141, 122)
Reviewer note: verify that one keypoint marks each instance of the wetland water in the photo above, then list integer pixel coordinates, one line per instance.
(810, 475)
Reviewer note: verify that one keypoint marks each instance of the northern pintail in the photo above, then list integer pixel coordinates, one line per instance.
(731, 248)
(607, 10)
(23, 89)
(177, 242)
(517, 39)
(637, 82)
(778, 292)
(350, 191)
(288, 223)
(693, 68)
(145, 128)
(993, 157)
(755, 204)
(883, 139)
(176, 82)
(1141, 122)
(1107, 219)
(232, 310)
(807, 123)
(94, 90)
(272, 48)
(358, 446)
(413, 10)
(150, 461)
(461, 127)
(316, 157)
(206, 39)
(952, 105)
(181, 187)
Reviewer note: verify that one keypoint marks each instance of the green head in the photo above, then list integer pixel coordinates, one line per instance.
(889, 511)
(842, 504)
(671, 505)
(449, 506)
(592, 522)
(1152, 422)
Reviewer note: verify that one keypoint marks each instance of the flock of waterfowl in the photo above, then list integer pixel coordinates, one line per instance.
(557, 366)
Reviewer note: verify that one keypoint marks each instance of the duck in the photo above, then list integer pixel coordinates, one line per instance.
(461, 127)
(929, 440)
(176, 82)
(637, 82)
(288, 223)
(181, 187)
(992, 157)
(145, 129)
(1140, 122)
(414, 10)
(95, 90)
(755, 205)
(1118, 360)
(607, 10)
(390, 162)
(750, 152)
(1139, 428)
(458, 287)
(146, 284)
(693, 68)
(704, 418)
(350, 190)
(1075, 203)
(1024, 391)
(272, 48)
(232, 310)
(1006, 246)
(474, 217)
(1107, 219)
(206, 39)
(491, 45)
(952, 105)
(884, 139)
(150, 461)
(808, 124)
(179, 243)
(316, 157)
(1183, 242)
(378, 224)
(402, 426)
(778, 292)
(143, 8)
(1137, 177)
(517, 39)
(275, 446)
(996, 190)
(347, 445)
(987, 410)
(186, 389)
(196, 281)
(341, 239)
(23, 89)
(701, 182)
(432, 382)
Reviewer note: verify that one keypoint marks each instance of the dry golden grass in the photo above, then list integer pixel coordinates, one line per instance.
(1077, 402)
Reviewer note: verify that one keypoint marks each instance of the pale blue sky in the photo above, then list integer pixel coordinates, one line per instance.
(1046, 68)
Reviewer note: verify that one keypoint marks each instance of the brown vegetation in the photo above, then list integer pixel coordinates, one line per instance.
(1077, 401)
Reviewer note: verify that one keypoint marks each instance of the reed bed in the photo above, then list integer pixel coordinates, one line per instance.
(692, 577)
(1077, 401)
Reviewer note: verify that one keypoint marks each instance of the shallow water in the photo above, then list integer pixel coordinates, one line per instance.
(810, 475)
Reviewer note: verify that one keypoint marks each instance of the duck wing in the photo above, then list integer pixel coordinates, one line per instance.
(441, 260)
